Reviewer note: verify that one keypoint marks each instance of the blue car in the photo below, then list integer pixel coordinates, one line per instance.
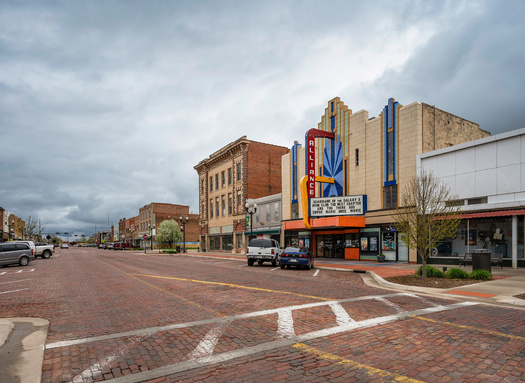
(297, 256)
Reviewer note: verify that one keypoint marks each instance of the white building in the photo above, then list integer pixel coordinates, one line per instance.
(488, 176)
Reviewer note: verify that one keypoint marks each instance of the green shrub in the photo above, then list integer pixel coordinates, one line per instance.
(170, 251)
(457, 274)
(431, 272)
(482, 275)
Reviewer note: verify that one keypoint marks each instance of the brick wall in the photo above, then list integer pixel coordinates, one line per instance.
(264, 169)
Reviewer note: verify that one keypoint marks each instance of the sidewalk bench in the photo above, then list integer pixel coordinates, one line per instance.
(495, 258)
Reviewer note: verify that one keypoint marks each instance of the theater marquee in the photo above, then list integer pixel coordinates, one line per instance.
(332, 206)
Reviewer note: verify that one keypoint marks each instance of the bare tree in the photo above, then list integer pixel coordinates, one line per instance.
(34, 228)
(427, 214)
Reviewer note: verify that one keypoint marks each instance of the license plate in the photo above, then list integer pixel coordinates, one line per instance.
(294, 260)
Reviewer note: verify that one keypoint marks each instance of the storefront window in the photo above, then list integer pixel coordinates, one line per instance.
(227, 242)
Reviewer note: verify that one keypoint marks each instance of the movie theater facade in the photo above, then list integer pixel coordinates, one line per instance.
(340, 186)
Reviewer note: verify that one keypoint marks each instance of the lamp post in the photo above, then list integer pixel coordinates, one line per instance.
(183, 222)
(251, 210)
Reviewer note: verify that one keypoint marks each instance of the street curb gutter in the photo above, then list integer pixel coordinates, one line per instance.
(22, 353)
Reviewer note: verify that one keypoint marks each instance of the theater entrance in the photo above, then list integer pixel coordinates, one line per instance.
(331, 246)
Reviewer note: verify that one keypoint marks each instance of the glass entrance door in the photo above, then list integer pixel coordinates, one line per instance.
(331, 246)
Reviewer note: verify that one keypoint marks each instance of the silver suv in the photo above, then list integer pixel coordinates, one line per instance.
(12, 253)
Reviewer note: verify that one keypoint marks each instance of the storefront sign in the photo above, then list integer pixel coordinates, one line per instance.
(333, 206)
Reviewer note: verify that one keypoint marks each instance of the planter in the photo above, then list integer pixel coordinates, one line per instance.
(380, 258)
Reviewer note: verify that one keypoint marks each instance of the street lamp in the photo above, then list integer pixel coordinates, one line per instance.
(251, 210)
(183, 222)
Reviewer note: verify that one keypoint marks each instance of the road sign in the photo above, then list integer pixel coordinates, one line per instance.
(145, 236)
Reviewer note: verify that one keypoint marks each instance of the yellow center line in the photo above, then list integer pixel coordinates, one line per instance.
(237, 286)
(168, 292)
(350, 364)
(472, 328)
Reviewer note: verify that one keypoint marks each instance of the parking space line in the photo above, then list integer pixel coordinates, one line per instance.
(316, 272)
(497, 333)
(12, 291)
(347, 363)
(20, 280)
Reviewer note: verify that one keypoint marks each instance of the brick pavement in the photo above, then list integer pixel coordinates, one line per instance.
(223, 307)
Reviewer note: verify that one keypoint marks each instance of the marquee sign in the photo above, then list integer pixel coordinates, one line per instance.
(310, 157)
(332, 206)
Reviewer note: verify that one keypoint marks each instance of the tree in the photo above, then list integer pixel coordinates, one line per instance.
(169, 231)
(427, 214)
(34, 228)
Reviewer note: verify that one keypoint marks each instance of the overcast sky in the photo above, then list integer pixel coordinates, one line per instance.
(106, 106)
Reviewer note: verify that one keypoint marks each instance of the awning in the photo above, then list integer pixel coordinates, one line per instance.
(486, 214)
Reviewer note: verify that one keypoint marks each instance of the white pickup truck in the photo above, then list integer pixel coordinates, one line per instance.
(263, 250)
(44, 250)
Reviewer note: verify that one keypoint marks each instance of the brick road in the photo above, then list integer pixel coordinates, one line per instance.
(135, 317)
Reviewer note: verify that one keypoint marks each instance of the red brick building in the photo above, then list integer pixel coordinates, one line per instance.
(151, 215)
(242, 169)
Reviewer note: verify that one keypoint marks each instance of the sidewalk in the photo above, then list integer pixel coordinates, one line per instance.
(507, 282)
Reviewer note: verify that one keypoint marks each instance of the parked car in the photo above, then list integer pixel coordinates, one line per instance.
(44, 250)
(263, 250)
(16, 253)
(297, 256)
(64, 246)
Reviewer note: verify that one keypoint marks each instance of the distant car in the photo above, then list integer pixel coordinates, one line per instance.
(297, 256)
(64, 246)
(12, 253)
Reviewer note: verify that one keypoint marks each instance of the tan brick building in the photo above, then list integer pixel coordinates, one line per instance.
(240, 170)
(151, 215)
(371, 159)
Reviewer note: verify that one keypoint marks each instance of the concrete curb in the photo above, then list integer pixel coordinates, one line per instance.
(22, 354)
(6, 326)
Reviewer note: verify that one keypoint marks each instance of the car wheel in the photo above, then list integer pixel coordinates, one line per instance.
(250, 262)
(24, 261)
(307, 267)
(282, 266)
(46, 254)
(259, 263)
(274, 263)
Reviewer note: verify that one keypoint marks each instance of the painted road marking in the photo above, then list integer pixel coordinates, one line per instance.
(153, 330)
(20, 280)
(166, 291)
(234, 286)
(16, 272)
(342, 317)
(316, 272)
(12, 291)
(207, 344)
(472, 328)
(285, 324)
(347, 363)
(390, 304)
(269, 346)
(95, 371)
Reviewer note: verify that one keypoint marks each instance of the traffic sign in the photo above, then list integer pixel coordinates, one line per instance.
(145, 236)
